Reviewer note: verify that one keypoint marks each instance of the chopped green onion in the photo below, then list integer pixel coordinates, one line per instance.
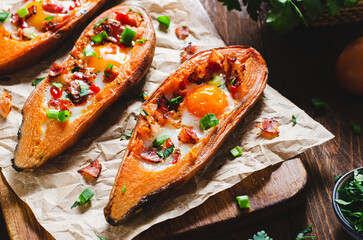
(232, 81)
(184, 27)
(356, 128)
(131, 10)
(75, 69)
(22, 12)
(52, 113)
(98, 24)
(86, 195)
(141, 41)
(118, 83)
(3, 16)
(40, 155)
(142, 95)
(160, 153)
(209, 120)
(101, 238)
(176, 100)
(5, 79)
(168, 151)
(318, 105)
(301, 235)
(89, 52)
(98, 72)
(33, 36)
(108, 70)
(123, 189)
(243, 201)
(84, 90)
(222, 86)
(143, 112)
(64, 115)
(164, 20)
(293, 119)
(36, 81)
(57, 85)
(216, 81)
(99, 37)
(127, 36)
(68, 95)
(48, 18)
(139, 13)
(76, 203)
(160, 140)
(126, 135)
(236, 152)
(337, 177)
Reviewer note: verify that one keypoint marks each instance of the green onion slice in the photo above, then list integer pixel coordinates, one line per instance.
(89, 52)
(176, 100)
(99, 37)
(127, 36)
(216, 81)
(33, 36)
(57, 85)
(123, 189)
(222, 86)
(142, 41)
(36, 81)
(164, 20)
(75, 69)
(142, 95)
(293, 119)
(209, 120)
(108, 70)
(22, 12)
(97, 24)
(356, 128)
(86, 195)
(243, 201)
(52, 113)
(318, 105)
(143, 112)
(64, 115)
(232, 81)
(84, 90)
(48, 18)
(236, 151)
(160, 140)
(101, 238)
(3, 16)
(168, 151)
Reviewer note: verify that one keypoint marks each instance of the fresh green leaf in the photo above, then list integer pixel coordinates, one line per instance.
(356, 128)
(209, 120)
(337, 177)
(253, 8)
(350, 3)
(3, 16)
(160, 152)
(261, 235)
(101, 238)
(142, 41)
(141, 95)
(334, 6)
(231, 4)
(318, 105)
(160, 140)
(164, 21)
(342, 202)
(126, 135)
(294, 119)
(98, 24)
(168, 151)
(127, 36)
(76, 203)
(313, 8)
(243, 201)
(301, 235)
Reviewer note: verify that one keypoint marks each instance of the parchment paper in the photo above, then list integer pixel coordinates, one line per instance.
(51, 190)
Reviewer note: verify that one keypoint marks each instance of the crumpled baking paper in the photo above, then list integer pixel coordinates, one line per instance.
(51, 190)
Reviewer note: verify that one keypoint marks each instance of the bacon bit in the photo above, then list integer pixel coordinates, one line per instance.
(215, 61)
(127, 19)
(176, 156)
(19, 22)
(187, 135)
(60, 104)
(55, 69)
(57, 23)
(149, 154)
(144, 130)
(198, 75)
(53, 8)
(113, 29)
(189, 51)
(76, 4)
(92, 170)
(182, 32)
(163, 104)
(5, 104)
(32, 11)
(269, 128)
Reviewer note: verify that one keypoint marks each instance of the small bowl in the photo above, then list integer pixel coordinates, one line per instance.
(346, 225)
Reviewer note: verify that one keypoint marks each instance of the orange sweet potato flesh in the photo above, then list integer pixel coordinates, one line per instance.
(16, 55)
(143, 185)
(33, 150)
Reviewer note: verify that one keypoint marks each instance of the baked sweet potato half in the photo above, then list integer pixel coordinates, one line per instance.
(110, 57)
(33, 28)
(183, 124)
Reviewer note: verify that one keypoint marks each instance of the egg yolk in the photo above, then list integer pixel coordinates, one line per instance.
(38, 19)
(107, 54)
(206, 99)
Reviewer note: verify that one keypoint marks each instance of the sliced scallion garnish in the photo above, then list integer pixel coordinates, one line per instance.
(3, 16)
(127, 36)
(209, 120)
(318, 105)
(64, 115)
(57, 85)
(97, 24)
(176, 100)
(84, 197)
(52, 113)
(89, 52)
(160, 140)
(356, 128)
(123, 189)
(48, 18)
(293, 118)
(84, 90)
(168, 151)
(243, 201)
(108, 70)
(101, 238)
(165, 21)
(232, 81)
(99, 37)
(222, 86)
(22, 12)
(236, 151)
(75, 69)
(216, 81)
(36, 81)
(142, 41)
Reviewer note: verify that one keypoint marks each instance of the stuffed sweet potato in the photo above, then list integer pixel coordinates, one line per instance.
(183, 124)
(110, 57)
(33, 28)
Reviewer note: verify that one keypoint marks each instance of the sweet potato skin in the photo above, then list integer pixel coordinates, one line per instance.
(159, 184)
(31, 152)
(17, 55)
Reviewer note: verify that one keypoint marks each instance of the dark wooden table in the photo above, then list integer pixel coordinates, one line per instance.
(301, 65)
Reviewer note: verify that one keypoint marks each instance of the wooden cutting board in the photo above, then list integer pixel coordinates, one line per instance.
(271, 191)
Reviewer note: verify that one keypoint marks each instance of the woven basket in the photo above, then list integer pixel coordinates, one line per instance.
(347, 15)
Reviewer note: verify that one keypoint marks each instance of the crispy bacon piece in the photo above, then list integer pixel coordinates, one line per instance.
(5, 104)
(53, 8)
(215, 61)
(269, 128)
(182, 32)
(32, 11)
(187, 135)
(60, 104)
(149, 154)
(189, 51)
(55, 69)
(92, 170)
(127, 19)
(19, 22)
(176, 156)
